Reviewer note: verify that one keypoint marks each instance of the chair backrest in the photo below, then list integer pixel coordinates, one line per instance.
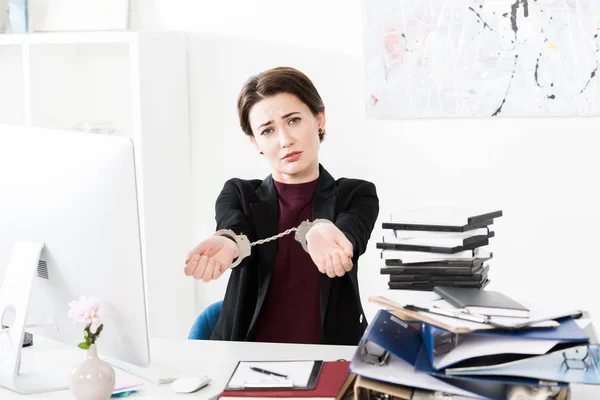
(205, 323)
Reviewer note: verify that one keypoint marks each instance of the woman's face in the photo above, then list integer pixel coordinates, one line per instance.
(287, 133)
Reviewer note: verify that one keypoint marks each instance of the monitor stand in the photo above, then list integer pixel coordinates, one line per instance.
(15, 295)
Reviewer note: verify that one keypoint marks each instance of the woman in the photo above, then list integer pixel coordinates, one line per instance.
(282, 292)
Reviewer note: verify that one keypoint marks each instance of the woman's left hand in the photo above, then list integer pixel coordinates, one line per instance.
(329, 249)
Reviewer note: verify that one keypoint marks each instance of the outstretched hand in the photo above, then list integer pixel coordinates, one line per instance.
(329, 249)
(211, 258)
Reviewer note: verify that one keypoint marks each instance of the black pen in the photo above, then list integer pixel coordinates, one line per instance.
(266, 372)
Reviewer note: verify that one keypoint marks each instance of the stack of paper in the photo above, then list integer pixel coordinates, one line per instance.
(482, 364)
(549, 348)
(428, 247)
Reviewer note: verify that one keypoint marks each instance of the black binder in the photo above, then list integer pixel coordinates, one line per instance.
(453, 217)
(478, 275)
(428, 286)
(400, 226)
(437, 270)
(432, 249)
(465, 242)
(472, 262)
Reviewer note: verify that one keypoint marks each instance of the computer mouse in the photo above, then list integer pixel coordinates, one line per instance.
(189, 384)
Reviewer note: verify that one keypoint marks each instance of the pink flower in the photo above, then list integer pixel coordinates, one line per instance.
(95, 318)
(86, 310)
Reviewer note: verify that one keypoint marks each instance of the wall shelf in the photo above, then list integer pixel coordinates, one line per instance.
(139, 82)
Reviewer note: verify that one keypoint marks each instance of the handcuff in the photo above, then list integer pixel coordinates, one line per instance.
(245, 246)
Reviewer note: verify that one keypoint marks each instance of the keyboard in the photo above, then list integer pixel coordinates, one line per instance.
(159, 371)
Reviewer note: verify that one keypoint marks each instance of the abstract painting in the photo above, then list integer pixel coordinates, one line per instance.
(478, 58)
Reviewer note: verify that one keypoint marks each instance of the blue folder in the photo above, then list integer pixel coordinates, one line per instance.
(568, 332)
(405, 342)
(579, 364)
(424, 365)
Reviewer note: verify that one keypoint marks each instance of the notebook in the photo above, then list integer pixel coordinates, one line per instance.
(483, 302)
(334, 381)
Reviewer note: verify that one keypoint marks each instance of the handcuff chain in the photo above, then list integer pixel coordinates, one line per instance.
(278, 236)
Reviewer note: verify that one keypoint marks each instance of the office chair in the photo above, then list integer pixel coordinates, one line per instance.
(205, 323)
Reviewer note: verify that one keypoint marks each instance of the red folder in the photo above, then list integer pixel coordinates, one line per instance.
(333, 382)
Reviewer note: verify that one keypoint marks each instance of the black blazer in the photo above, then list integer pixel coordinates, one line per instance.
(250, 207)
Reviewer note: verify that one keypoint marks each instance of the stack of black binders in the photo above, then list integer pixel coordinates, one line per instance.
(428, 248)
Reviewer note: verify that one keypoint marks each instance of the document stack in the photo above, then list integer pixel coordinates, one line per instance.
(429, 247)
(436, 349)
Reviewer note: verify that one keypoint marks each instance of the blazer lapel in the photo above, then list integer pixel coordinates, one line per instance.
(324, 202)
(266, 216)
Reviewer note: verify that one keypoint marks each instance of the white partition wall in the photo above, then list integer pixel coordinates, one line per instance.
(138, 83)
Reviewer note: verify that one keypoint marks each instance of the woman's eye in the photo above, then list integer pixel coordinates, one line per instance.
(267, 131)
(295, 120)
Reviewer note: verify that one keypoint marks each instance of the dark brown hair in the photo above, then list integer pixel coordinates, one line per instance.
(275, 81)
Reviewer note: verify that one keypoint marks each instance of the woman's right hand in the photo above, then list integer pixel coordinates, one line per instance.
(209, 259)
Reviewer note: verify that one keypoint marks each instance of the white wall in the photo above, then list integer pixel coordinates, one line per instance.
(541, 172)
(330, 24)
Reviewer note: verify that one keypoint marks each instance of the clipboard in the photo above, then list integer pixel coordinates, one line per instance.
(299, 375)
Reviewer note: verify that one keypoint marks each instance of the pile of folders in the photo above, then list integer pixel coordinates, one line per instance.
(433, 247)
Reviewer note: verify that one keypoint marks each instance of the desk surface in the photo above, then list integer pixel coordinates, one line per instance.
(217, 360)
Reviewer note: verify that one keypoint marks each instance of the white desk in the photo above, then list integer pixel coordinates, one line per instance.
(217, 360)
(213, 358)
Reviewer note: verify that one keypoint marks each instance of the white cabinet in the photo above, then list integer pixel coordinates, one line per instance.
(139, 82)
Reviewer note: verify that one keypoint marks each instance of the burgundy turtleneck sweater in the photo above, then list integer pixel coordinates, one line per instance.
(291, 313)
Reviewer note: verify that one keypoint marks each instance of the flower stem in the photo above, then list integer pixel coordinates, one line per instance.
(90, 338)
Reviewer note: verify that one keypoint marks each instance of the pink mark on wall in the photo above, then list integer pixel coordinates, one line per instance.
(374, 100)
(394, 45)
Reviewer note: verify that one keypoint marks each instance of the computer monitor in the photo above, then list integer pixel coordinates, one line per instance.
(74, 194)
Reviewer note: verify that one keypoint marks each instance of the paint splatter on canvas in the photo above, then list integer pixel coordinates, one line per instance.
(477, 58)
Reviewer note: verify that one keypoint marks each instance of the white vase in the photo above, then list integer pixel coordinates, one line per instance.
(93, 379)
